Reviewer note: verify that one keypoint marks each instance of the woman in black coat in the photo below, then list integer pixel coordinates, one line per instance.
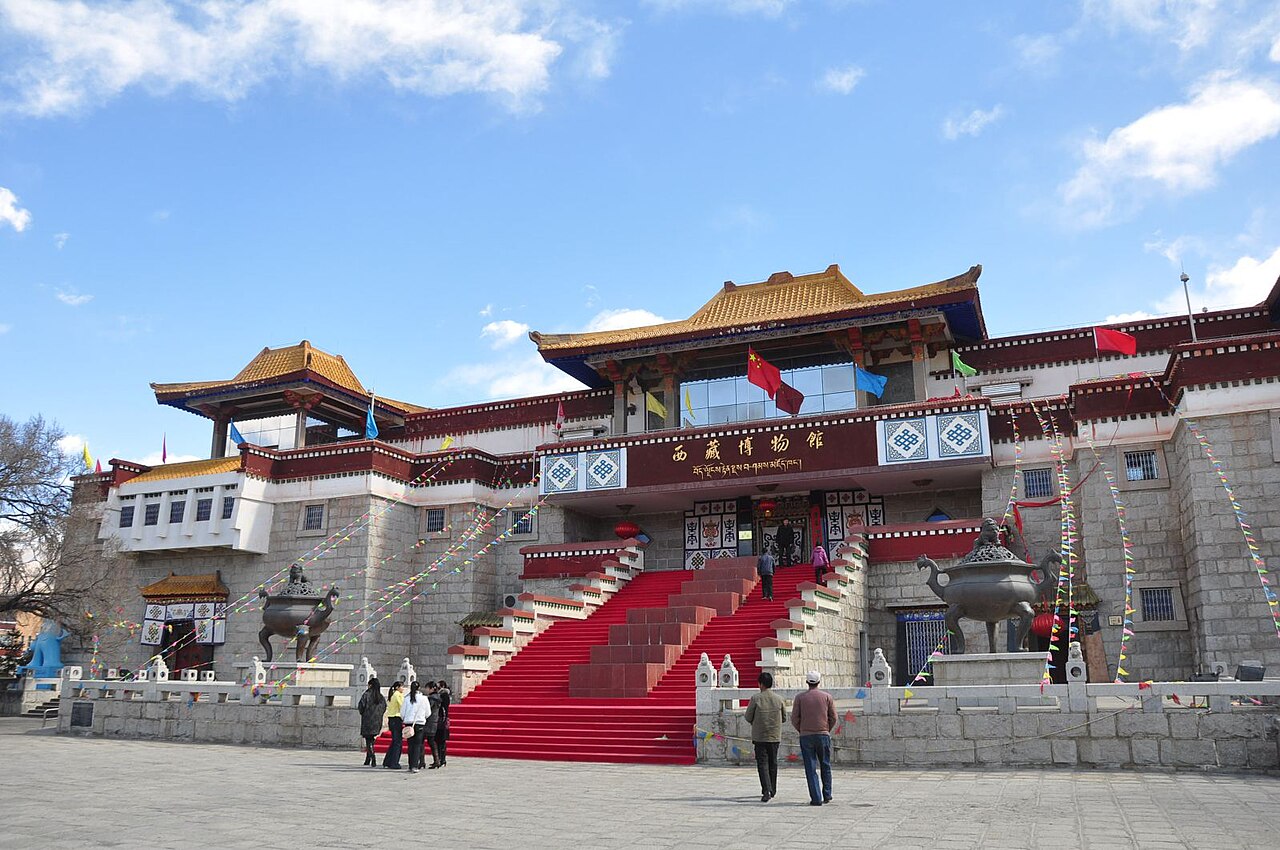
(439, 745)
(372, 706)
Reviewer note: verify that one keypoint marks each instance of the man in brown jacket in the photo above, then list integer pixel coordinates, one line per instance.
(813, 713)
(765, 713)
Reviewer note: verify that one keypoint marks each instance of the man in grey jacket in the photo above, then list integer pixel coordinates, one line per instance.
(765, 713)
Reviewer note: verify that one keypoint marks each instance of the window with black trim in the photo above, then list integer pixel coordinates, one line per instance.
(151, 516)
(126, 516)
(433, 522)
(1141, 465)
(313, 518)
(228, 506)
(204, 509)
(176, 511)
(522, 521)
(1037, 483)
(1158, 606)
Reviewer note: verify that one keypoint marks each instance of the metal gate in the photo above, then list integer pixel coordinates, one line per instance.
(919, 634)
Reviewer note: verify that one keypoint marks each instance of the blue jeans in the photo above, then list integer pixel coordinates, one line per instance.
(816, 752)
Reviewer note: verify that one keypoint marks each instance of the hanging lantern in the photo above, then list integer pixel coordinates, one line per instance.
(1042, 625)
(767, 506)
(626, 529)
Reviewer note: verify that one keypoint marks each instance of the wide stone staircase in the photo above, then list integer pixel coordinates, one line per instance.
(526, 709)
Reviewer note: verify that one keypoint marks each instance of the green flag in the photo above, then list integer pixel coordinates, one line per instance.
(962, 367)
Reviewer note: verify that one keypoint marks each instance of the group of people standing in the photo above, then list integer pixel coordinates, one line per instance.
(422, 713)
(785, 540)
(813, 714)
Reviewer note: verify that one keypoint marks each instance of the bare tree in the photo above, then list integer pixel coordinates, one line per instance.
(43, 570)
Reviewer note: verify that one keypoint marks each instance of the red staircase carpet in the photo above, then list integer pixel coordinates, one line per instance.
(524, 710)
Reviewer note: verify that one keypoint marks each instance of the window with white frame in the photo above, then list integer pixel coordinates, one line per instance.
(228, 506)
(1141, 465)
(433, 521)
(522, 521)
(126, 516)
(1037, 483)
(1158, 606)
(177, 509)
(313, 517)
(204, 509)
(151, 516)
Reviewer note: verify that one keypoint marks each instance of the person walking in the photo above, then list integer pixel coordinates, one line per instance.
(785, 539)
(371, 706)
(415, 710)
(764, 566)
(813, 714)
(395, 698)
(821, 563)
(438, 751)
(766, 713)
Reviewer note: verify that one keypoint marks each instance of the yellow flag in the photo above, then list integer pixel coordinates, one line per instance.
(652, 405)
(688, 405)
(448, 441)
(88, 461)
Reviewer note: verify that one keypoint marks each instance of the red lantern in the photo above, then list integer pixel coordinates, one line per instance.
(1042, 625)
(626, 529)
(767, 506)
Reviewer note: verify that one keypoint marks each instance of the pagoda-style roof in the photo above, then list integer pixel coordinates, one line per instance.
(194, 588)
(784, 299)
(189, 469)
(280, 380)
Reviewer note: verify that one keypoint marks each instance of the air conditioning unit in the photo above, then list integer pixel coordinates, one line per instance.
(510, 601)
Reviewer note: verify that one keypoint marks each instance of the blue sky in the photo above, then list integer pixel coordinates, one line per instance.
(414, 185)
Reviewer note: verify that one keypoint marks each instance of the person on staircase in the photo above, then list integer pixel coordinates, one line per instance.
(764, 566)
(786, 539)
(439, 745)
(821, 563)
(766, 713)
(371, 707)
(395, 698)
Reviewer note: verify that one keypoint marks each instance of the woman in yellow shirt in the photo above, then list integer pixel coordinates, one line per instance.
(395, 698)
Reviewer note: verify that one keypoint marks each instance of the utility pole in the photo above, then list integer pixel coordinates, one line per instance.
(1191, 317)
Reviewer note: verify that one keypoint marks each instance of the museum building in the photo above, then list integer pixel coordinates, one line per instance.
(671, 454)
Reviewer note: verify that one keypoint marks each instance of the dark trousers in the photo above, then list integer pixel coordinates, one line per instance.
(439, 747)
(818, 572)
(766, 586)
(767, 766)
(369, 757)
(785, 558)
(816, 752)
(417, 758)
(392, 758)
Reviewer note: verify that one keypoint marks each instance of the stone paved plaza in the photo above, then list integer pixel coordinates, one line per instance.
(110, 793)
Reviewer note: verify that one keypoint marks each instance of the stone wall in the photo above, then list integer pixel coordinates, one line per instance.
(330, 727)
(1229, 617)
(1187, 739)
(917, 506)
(666, 546)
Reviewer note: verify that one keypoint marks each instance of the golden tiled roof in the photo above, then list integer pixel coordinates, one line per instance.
(174, 586)
(782, 297)
(275, 362)
(189, 469)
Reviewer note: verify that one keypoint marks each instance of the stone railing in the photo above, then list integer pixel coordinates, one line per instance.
(1228, 724)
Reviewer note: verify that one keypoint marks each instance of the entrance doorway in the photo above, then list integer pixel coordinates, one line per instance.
(180, 650)
(767, 534)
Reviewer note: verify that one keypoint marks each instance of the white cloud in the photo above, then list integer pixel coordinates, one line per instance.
(72, 298)
(1244, 283)
(511, 378)
(1175, 250)
(60, 239)
(1179, 147)
(504, 332)
(842, 80)
(1135, 316)
(1038, 51)
(4, 329)
(767, 8)
(624, 317)
(973, 123)
(72, 444)
(74, 55)
(12, 214)
(1187, 23)
(1274, 55)
(153, 459)
(486, 310)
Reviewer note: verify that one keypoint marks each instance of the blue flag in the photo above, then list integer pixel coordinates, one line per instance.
(370, 427)
(236, 436)
(869, 382)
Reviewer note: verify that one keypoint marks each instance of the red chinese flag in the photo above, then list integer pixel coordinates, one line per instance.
(789, 399)
(560, 417)
(762, 373)
(1108, 340)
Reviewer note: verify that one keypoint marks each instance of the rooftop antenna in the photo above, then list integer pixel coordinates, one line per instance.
(1191, 317)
